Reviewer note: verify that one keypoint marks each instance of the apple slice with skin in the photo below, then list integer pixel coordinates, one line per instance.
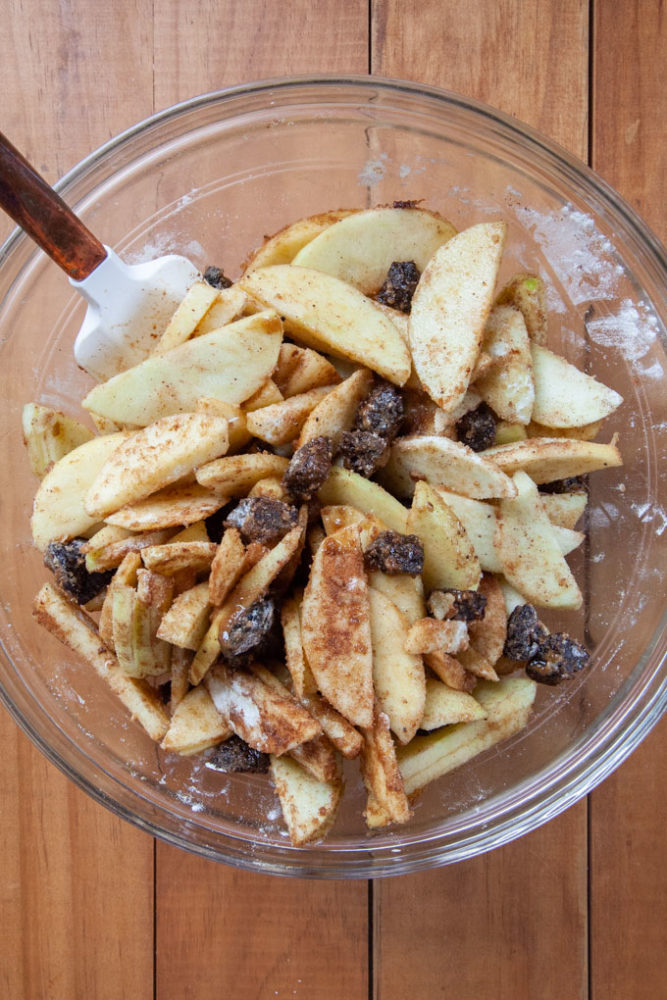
(360, 248)
(566, 396)
(450, 308)
(526, 293)
(283, 246)
(442, 462)
(331, 316)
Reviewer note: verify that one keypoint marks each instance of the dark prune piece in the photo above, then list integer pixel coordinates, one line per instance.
(364, 452)
(573, 484)
(525, 632)
(394, 553)
(216, 277)
(309, 467)
(477, 428)
(457, 605)
(67, 562)
(234, 755)
(381, 412)
(247, 629)
(399, 285)
(558, 658)
(262, 519)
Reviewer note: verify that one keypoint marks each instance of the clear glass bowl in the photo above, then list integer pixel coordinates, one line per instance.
(209, 178)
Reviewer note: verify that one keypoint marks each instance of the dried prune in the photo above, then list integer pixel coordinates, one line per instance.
(394, 553)
(216, 277)
(572, 484)
(399, 285)
(381, 412)
(67, 562)
(457, 605)
(559, 657)
(234, 755)
(364, 452)
(477, 428)
(247, 629)
(525, 632)
(262, 519)
(308, 468)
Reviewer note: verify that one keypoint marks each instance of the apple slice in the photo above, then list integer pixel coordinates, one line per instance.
(195, 725)
(445, 707)
(548, 459)
(229, 364)
(332, 316)
(283, 246)
(507, 704)
(566, 396)
(525, 292)
(58, 510)
(347, 488)
(442, 462)
(49, 435)
(529, 552)
(450, 308)
(334, 413)
(155, 457)
(360, 248)
(309, 806)
(508, 386)
(449, 556)
(398, 676)
(335, 623)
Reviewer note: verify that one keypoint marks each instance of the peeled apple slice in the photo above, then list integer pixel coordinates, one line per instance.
(361, 248)
(565, 396)
(331, 316)
(450, 308)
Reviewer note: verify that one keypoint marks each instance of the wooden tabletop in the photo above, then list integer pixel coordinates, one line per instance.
(93, 909)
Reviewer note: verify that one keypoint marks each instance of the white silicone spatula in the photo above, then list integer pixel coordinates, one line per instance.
(128, 304)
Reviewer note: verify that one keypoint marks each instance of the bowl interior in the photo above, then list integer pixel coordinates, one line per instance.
(209, 180)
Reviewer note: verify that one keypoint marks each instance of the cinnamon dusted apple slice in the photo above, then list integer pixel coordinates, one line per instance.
(525, 292)
(309, 806)
(335, 622)
(529, 553)
(329, 315)
(566, 396)
(386, 802)
(449, 555)
(361, 248)
(548, 459)
(450, 308)
(398, 676)
(228, 364)
(283, 246)
(442, 462)
(155, 457)
(508, 384)
(507, 705)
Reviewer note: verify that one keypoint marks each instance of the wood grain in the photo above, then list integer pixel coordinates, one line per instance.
(224, 933)
(76, 913)
(628, 815)
(480, 929)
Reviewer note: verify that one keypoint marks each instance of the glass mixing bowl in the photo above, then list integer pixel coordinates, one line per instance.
(209, 178)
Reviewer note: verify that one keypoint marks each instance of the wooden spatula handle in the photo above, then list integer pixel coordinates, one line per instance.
(45, 217)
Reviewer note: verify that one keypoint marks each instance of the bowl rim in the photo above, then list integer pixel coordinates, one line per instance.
(613, 742)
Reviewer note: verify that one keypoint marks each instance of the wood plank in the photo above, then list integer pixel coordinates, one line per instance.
(228, 933)
(222, 932)
(482, 928)
(509, 925)
(628, 814)
(76, 897)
